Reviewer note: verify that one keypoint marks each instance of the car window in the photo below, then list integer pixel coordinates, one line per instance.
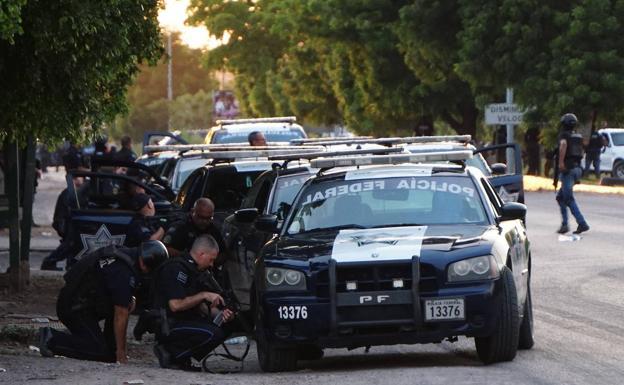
(386, 202)
(185, 167)
(617, 138)
(225, 136)
(494, 199)
(286, 189)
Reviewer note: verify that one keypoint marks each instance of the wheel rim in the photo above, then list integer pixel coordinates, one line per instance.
(619, 170)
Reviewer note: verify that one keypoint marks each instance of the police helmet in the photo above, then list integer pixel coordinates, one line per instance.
(153, 253)
(569, 121)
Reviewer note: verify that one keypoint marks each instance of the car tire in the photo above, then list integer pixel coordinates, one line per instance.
(502, 344)
(271, 358)
(610, 181)
(525, 340)
(618, 169)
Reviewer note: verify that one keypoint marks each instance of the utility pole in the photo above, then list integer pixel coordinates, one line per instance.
(510, 134)
(169, 79)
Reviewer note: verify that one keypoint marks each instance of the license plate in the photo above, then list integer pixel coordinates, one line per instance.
(292, 312)
(444, 309)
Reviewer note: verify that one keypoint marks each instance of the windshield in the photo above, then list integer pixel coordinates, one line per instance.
(225, 136)
(286, 189)
(369, 203)
(618, 138)
(185, 168)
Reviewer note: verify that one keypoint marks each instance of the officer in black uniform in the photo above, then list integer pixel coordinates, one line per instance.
(143, 227)
(181, 234)
(60, 223)
(100, 286)
(592, 154)
(193, 312)
(568, 162)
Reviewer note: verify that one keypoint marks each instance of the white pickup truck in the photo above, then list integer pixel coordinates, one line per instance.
(612, 159)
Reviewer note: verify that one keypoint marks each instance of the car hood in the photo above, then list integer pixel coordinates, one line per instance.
(380, 244)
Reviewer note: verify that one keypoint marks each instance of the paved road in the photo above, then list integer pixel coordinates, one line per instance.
(579, 326)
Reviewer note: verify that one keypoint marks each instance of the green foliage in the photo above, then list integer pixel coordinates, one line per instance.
(10, 18)
(70, 66)
(147, 97)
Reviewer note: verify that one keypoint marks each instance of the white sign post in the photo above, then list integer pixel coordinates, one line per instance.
(508, 114)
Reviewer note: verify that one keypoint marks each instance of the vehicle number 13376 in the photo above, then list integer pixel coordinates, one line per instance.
(292, 312)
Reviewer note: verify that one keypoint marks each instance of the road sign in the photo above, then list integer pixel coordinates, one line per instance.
(503, 113)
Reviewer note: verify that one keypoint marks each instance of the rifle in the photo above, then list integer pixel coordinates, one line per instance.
(556, 168)
(209, 282)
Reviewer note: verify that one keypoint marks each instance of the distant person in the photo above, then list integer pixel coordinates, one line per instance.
(61, 222)
(568, 161)
(257, 138)
(100, 286)
(592, 153)
(72, 159)
(531, 142)
(126, 153)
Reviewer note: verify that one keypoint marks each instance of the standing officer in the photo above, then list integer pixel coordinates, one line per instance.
(181, 234)
(190, 307)
(98, 287)
(592, 155)
(126, 153)
(569, 171)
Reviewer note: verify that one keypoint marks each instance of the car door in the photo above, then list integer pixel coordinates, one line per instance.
(99, 210)
(507, 181)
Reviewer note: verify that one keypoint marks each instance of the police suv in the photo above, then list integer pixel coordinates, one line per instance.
(394, 249)
(275, 130)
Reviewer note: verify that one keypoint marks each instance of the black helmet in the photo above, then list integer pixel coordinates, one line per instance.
(569, 121)
(153, 253)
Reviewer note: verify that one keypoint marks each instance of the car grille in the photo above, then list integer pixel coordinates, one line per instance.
(377, 277)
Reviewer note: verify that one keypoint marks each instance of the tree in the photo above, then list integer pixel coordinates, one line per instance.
(147, 96)
(558, 56)
(10, 19)
(65, 66)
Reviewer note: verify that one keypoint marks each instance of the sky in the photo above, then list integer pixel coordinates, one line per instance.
(172, 19)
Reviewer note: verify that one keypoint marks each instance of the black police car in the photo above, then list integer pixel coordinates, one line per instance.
(392, 254)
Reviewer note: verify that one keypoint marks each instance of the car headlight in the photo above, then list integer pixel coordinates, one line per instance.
(472, 269)
(284, 279)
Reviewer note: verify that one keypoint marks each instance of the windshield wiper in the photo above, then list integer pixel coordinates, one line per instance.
(397, 225)
(340, 227)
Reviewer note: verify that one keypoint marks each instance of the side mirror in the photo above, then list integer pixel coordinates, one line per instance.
(513, 210)
(499, 169)
(246, 215)
(267, 223)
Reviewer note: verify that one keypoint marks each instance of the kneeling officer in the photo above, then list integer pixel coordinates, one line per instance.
(100, 287)
(193, 313)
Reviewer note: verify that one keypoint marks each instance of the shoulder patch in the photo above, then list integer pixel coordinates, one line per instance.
(106, 261)
(182, 277)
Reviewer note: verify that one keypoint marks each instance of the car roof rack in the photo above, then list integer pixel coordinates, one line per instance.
(389, 141)
(223, 147)
(450, 156)
(276, 119)
(326, 139)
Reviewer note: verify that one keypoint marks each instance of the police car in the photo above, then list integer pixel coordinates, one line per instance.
(507, 179)
(394, 249)
(271, 194)
(275, 130)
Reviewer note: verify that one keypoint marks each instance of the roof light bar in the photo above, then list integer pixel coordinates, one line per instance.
(327, 154)
(276, 153)
(277, 119)
(316, 140)
(391, 159)
(390, 141)
(222, 147)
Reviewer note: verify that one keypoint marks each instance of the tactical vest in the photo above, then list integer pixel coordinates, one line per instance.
(574, 150)
(80, 290)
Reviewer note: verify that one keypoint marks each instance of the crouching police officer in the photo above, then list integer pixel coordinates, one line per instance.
(188, 307)
(100, 286)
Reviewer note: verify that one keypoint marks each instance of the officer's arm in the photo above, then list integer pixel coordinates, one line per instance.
(190, 302)
(563, 146)
(158, 234)
(120, 322)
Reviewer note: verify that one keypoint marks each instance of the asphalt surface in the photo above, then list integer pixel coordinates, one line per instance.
(579, 329)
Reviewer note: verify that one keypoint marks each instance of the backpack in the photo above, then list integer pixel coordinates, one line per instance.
(80, 290)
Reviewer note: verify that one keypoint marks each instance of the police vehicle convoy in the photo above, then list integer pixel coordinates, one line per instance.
(275, 130)
(394, 249)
